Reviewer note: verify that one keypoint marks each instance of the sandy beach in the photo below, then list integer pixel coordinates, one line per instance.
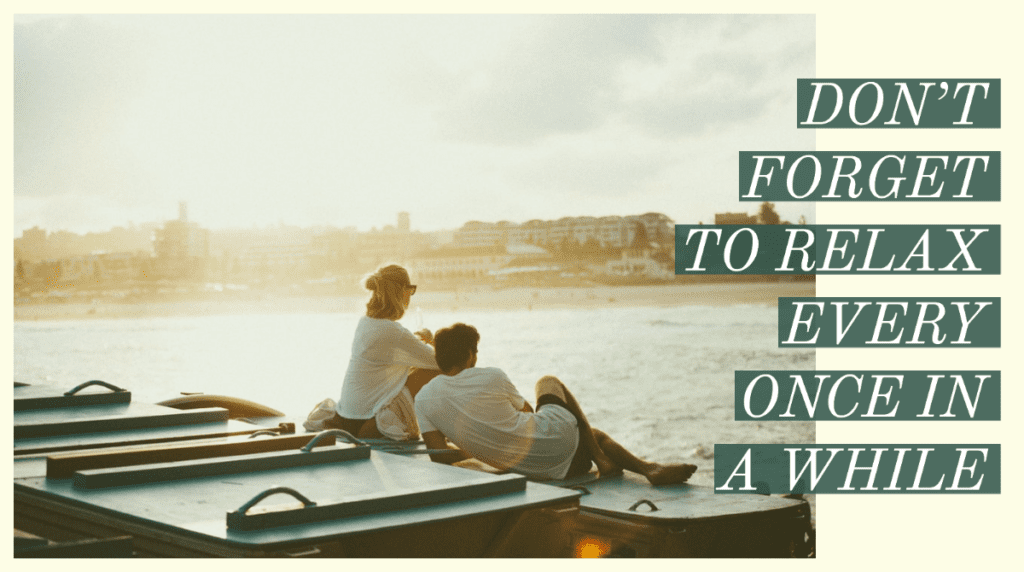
(475, 298)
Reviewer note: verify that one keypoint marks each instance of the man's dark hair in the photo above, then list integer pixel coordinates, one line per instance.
(454, 345)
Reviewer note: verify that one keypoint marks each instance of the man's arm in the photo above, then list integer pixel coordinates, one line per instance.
(513, 395)
(436, 440)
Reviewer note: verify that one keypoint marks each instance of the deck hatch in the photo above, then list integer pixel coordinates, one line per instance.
(250, 517)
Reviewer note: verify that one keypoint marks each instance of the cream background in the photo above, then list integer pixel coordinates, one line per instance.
(866, 39)
(936, 531)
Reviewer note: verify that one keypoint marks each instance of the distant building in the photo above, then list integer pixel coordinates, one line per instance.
(609, 231)
(471, 263)
(638, 262)
(530, 232)
(273, 261)
(334, 252)
(99, 268)
(32, 246)
(389, 245)
(458, 262)
(392, 244)
(33, 238)
(528, 263)
(475, 233)
(182, 248)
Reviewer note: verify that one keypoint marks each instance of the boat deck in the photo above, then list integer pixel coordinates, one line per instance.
(196, 483)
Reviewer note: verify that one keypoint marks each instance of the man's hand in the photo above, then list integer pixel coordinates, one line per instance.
(425, 335)
(435, 440)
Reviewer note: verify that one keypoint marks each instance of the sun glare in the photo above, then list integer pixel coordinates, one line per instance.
(591, 548)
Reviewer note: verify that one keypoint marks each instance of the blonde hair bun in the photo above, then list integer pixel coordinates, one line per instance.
(372, 282)
(388, 285)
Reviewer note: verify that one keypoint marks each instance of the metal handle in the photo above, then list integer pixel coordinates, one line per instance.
(92, 382)
(333, 433)
(273, 491)
(262, 433)
(643, 502)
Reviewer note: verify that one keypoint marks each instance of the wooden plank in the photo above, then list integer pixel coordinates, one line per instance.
(64, 465)
(172, 417)
(199, 468)
(376, 503)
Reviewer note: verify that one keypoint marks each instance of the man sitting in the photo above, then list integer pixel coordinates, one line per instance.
(481, 412)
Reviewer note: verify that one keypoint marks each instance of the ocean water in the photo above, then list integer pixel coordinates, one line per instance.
(658, 380)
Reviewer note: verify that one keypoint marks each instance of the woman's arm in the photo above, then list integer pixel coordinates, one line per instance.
(409, 350)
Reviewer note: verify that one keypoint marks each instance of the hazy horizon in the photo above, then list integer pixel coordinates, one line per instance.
(345, 120)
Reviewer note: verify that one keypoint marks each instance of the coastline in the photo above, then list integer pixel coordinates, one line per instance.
(473, 298)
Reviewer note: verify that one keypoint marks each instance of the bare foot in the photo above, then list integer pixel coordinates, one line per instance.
(670, 474)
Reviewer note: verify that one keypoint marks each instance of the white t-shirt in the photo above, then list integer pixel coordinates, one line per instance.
(383, 353)
(479, 410)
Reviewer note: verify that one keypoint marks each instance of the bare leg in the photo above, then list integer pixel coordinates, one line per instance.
(609, 456)
(605, 466)
(656, 473)
(418, 378)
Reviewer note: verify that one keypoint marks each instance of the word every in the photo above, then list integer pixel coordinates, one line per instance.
(917, 322)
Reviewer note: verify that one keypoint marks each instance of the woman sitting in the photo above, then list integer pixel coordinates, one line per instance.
(389, 364)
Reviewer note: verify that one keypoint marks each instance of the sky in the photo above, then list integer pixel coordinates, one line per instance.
(346, 120)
